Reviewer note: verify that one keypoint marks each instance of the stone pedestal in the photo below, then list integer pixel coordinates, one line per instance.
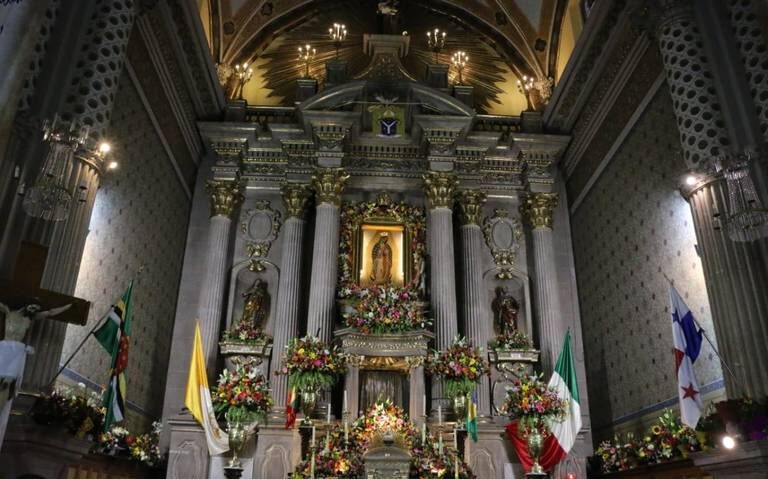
(506, 366)
(465, 94)
(305, 88)
(239, 354)
(748, 460)
(235, 110)
(336, 72)
(278, 451)
(437, 76)
(492, 454)
(531, 122)
(188, 456)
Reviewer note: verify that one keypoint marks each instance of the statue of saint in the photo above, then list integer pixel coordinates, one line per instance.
(256, 305)
(387, 16)
(381, 261)
(505, 308)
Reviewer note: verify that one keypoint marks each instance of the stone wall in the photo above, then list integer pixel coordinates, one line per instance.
(631, 229)
(139, 220)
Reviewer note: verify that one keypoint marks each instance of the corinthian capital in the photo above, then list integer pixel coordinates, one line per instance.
(537, 209)
(328, 184)
(295, 198)
(439, 187)
(471, 206)
(226, 195)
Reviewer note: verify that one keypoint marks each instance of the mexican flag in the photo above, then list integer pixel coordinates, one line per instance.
(563, 381)
(114, 336)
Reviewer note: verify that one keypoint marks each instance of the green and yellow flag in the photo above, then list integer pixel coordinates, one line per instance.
(114, 335)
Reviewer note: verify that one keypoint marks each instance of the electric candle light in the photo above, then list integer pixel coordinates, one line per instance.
(313, 436)
(423, 432)
(440, 444)
(345, 400)
(328, 416)
(439, 414)
(346, 432)
(456, 439)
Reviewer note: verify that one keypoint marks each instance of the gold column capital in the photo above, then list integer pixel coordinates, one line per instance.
(295, 198)
(439, 187)
(328, 184)
(471, 206)
(226, 195)
(538, 209)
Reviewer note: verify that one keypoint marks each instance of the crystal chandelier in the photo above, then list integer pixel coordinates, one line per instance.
(747, 217)
(49, 198)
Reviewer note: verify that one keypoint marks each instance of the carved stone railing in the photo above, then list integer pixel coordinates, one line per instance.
(497, 123)
(265, 115)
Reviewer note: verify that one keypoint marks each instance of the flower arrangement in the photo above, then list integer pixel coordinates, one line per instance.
(514, 340)
(78, 410)
(384, 309)
(310, 364)
(345, 460)
(245, 332)
(241, 396)
(117, 441)
(533, 403)
(146, 448)
(460, 366)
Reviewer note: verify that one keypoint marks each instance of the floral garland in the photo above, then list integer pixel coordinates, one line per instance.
(246, 333)
(340, 460)
(514, 340)
(310, 364)
(78, 410)
(533, 403)
(460, 366)
(241, 396)
(384, 309)
(352, 215)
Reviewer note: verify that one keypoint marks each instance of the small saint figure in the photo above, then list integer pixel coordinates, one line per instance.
(505, 308)
(381, 261)
(256, 305)
(387, 16)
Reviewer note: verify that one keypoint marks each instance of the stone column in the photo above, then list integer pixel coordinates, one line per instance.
(295, 197)
(537, 209)
(439, 188)
(416, 389)
(477, 318)
(328, 184)
(226, 195)
(352, 385)
(734, 272)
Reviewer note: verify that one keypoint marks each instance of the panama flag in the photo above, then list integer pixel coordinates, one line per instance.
(686, 339)
(563, 382)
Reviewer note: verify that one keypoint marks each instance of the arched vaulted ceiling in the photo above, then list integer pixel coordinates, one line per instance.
(505, 39)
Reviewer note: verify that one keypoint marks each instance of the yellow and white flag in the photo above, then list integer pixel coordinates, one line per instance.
(198, 399)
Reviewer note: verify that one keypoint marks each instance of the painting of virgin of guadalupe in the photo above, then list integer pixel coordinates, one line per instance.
(382, 255)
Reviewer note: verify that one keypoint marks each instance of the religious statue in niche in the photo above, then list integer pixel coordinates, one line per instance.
(256, 305)
(505, 309)
(381, 259)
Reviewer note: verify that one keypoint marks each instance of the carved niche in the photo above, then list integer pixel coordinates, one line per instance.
(260, 225)
(502, 235)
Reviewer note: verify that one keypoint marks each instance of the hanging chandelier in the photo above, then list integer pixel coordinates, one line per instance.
(747, 217)
(50, 198)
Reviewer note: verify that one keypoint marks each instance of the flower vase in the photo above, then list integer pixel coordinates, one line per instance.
(237, 435)
(460, 406)
(535, 443)
(308, 402)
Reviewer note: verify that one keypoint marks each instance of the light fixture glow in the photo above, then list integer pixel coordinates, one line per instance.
(112, 165)
(690, 180)
(104, 147)
(728, 442)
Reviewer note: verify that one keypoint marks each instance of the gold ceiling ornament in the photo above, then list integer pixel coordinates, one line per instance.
(328, 184)
(295, 198)
(226, 195)
(439, 187)
(470, 206)
(538, 209)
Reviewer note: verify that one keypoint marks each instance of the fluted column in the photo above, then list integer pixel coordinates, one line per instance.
(225, 198)
(328, 184)
(736, 280)
(736, 273)
(295, 197)
(476, 314)
(537, 209)
(439, 188)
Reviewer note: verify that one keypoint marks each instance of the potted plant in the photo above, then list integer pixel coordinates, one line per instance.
(311, 365)
(535, 406)
(460, 366)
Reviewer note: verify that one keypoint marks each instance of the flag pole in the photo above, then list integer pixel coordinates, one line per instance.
(711, 344)
(85, 338)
